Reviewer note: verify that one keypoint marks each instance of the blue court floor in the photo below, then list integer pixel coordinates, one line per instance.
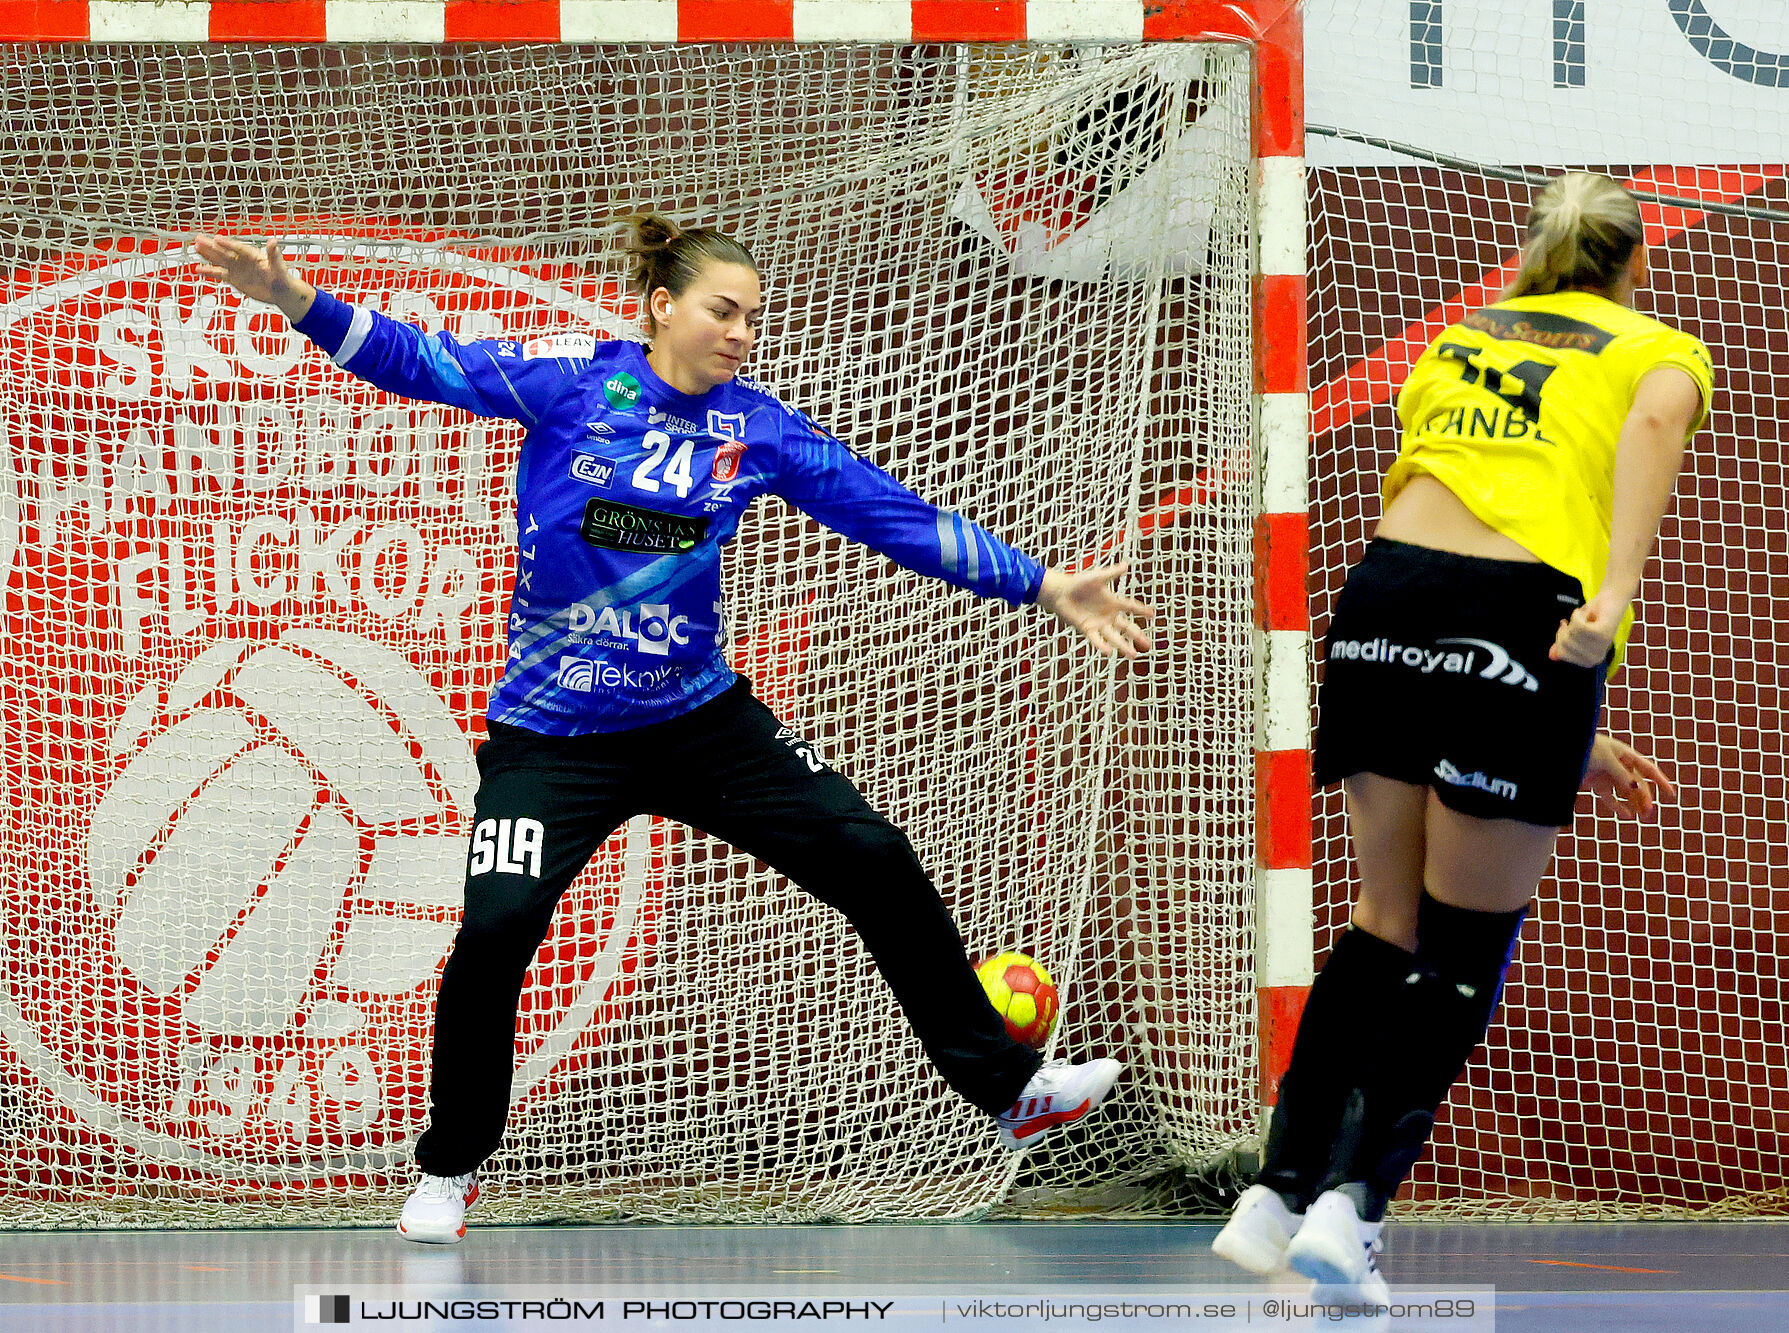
(1578, 1277)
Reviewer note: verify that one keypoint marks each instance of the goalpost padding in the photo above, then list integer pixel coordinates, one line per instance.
(254, 607)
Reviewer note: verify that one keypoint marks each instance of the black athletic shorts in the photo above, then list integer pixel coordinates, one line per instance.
(1436, 673)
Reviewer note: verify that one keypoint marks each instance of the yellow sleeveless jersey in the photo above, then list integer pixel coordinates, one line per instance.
(1517, 410)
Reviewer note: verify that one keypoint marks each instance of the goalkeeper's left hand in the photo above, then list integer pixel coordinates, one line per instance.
(1086, 601)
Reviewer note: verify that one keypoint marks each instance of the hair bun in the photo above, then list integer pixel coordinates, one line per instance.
(662, 254)
(650, 231)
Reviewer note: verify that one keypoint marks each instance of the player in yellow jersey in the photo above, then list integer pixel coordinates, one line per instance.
(1464, 672)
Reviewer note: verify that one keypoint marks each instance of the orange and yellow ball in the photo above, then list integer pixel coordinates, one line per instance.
(1023, 994)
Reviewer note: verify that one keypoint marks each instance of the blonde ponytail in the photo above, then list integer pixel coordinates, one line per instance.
(1582, 231)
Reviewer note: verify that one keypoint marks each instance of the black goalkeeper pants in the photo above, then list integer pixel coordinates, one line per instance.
(731, 770)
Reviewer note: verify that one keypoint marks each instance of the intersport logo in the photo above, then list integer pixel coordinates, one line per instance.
(254, 601)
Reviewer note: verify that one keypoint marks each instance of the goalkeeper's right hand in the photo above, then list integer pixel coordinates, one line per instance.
(259, 274)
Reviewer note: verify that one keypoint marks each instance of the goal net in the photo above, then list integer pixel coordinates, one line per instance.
(253, 609)
(1637, 1067)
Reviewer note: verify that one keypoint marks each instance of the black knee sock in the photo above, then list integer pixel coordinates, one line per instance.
(1346, 1003)
(1437, 1019)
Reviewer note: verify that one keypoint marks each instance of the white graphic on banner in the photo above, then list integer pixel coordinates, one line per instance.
(245, 886)
(259, 810)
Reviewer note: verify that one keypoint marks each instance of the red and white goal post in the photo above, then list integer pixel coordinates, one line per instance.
(1042, 260)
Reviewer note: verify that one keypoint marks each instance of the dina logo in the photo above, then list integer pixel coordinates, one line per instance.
(621, 389)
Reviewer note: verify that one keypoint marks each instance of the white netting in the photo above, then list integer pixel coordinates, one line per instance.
(254, 607)
(1637, 1067)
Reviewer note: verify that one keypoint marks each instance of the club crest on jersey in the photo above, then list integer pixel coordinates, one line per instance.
(726, 460)
(729, 429)
(726, 425)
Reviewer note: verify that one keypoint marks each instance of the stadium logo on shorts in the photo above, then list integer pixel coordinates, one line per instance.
(1478, 781)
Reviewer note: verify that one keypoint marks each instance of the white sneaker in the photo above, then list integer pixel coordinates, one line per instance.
(1058, 1093)
(1340, 1253)
(435, 1212)
(1259, 1229)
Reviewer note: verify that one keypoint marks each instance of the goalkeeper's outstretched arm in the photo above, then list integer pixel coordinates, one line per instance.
(258, 272)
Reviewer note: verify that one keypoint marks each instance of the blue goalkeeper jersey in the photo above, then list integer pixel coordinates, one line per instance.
(626, 491)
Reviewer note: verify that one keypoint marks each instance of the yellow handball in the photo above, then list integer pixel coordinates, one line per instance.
(1022, 994)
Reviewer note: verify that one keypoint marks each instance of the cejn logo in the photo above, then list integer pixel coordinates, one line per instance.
(590, 468)
(234, 870)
